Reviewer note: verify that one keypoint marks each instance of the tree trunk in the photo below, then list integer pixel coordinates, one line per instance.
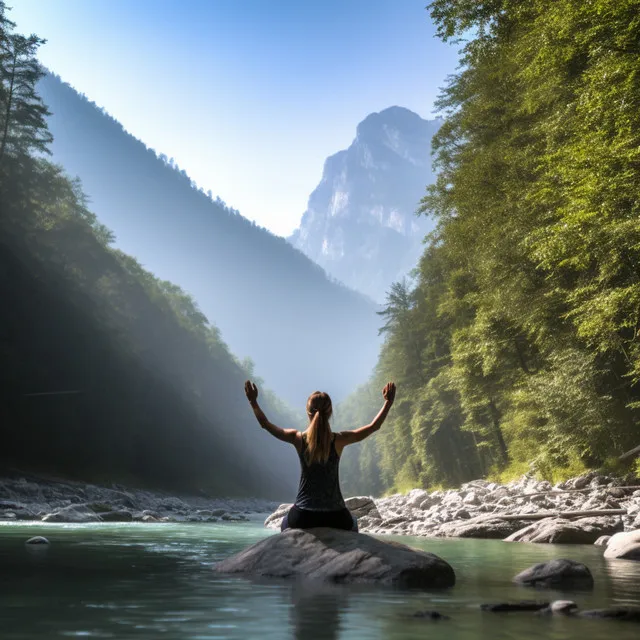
(495, 417)
(7, 114)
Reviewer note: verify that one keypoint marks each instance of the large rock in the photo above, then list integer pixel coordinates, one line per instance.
(624, 545)
(559, 573)
(562, 531)
(275, 519)
(76, 513)
(116, 516)
(361, 506)
(338, 556)
(482, 527)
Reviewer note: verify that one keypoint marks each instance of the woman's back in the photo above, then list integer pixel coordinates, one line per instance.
(319, 488)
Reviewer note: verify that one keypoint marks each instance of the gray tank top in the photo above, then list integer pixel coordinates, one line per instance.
(319, 488)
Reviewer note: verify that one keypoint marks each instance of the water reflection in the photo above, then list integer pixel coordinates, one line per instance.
(317, 611)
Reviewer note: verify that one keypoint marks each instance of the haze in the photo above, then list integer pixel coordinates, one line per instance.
(248, 97)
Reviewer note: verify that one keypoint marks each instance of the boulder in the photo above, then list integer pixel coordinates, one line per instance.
(625, 546)
(481, 527)
(37, 540)
(361, 506)
(563, 531)
(415, 498)
(338, 556)
(562, 607)
(275, 519)
(76, 513)
(558, 574)
(602, 541)
(116, 516)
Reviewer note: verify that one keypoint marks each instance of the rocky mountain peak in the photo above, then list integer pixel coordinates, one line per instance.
(360, 224)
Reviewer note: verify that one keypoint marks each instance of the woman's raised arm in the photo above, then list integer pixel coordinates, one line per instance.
(356, 435)
(286, 435)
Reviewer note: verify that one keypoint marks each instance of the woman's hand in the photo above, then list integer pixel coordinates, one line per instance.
(389, 392)
(251, 391)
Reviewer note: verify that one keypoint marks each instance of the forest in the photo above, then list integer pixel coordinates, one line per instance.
(108, 372)
(516, 346)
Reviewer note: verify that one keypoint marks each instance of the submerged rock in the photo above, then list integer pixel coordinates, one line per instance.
(361, 506)
(37, 540)
(559, 573)
(339, 556)
(430, 615)
(526, 605)
(627, 614)
(625, 546)
(563, 607)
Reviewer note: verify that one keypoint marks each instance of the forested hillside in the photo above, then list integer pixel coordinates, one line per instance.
(108, 373)
(271, 303)
(519, 348)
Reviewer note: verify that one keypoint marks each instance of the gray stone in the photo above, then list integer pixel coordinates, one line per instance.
(76, 513)
(275, 519)
(150, 518)
(37, 540)
(625, 546)
(602, 541)
(481, 527)
(559, 573)
(563, 606)
(562, 531)
(471, 499)
(361, 506)
(430, 615)
(342, 557)
(116, 516)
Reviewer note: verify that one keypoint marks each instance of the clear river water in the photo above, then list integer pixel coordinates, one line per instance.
(144, 581)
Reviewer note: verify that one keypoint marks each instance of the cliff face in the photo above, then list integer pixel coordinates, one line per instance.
(360, 223)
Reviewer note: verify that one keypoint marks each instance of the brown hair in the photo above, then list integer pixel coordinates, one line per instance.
(319, 410)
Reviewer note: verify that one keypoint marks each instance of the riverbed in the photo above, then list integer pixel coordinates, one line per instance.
(152, 581)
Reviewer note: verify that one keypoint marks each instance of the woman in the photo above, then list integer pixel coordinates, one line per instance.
(319, 502)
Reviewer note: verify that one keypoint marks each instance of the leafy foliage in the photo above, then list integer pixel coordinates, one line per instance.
(520, 348)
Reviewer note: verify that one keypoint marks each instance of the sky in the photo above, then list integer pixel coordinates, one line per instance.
(248, 96)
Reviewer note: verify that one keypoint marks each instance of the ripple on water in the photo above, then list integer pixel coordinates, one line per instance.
(147, 581)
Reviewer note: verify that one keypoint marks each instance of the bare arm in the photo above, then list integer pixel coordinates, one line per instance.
(356, 435)
(286, 435)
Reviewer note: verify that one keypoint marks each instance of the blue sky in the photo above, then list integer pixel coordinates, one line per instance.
(248, 96)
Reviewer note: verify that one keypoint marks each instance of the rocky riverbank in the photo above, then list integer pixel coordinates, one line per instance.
(25, 498)
(526, 510)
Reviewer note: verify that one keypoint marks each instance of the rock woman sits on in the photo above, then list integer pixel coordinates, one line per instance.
(319, 502)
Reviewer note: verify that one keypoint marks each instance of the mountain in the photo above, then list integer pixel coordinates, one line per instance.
(271, 303)
(360, 223)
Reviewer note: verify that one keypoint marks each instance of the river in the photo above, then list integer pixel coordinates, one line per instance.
(155, 581)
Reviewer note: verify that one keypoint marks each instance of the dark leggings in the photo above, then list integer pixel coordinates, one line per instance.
(304, 519)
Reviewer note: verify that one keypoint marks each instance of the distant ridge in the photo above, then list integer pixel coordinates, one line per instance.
(271, 302)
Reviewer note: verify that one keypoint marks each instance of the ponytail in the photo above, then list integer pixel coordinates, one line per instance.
(319, 432)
